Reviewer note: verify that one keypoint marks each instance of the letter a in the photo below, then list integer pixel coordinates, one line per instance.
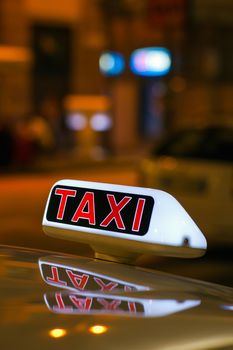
(88, 201)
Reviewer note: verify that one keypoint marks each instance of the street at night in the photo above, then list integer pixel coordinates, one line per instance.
(116, 174)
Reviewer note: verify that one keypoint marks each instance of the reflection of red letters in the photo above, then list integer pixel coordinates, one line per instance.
(55, 277)
(115, 211)
(132, 306)
(64, 193)
(113, 305)
(88, 201)
(60, 304)
(103, 286)
(78, 281)
(59, 301)
(81, 304)
(138, 215)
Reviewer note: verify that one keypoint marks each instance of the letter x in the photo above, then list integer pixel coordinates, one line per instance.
(115, 212)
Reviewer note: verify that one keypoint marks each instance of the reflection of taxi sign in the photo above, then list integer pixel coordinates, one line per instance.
(77, 278)
(88, 286)
(121, 220)
(100, 304)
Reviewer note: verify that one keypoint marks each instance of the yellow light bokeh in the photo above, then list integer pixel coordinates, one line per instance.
(98, 329)
(57, 333)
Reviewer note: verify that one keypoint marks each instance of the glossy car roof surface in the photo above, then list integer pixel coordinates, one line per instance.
(137, 308)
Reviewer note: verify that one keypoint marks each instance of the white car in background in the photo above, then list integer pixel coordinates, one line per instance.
(196, 166)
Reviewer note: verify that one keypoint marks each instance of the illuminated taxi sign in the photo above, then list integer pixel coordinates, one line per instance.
(121, 221)
(100, 209)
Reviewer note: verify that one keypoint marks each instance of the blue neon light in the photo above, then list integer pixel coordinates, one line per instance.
(150, 61)
(111, 63)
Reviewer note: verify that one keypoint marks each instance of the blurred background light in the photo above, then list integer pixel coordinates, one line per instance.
(228, 307)
(14, 54)
(111, 63)
(101, 122)
(150, 61)
(76, 121)
(57, 333)
(98, 329)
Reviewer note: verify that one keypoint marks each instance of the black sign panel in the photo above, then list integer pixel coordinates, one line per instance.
(105, 210)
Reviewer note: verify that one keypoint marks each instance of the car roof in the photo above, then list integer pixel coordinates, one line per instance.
(161, 311)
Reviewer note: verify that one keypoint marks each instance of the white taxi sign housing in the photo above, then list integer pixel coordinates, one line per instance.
(121, 221)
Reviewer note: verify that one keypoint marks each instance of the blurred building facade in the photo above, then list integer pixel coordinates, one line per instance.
(50, 49)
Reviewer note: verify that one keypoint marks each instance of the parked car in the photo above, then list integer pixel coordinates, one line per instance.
(196, 166)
